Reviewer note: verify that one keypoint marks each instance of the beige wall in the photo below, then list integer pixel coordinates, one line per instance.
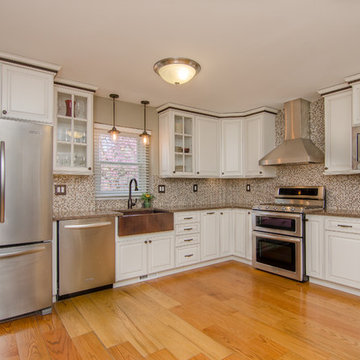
(132, 116)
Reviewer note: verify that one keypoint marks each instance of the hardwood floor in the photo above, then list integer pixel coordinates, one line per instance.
(226, 311)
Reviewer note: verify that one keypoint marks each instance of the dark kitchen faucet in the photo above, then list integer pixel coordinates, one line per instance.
(130, 202)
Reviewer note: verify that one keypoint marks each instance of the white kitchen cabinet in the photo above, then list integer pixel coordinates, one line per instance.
(356, 104)
(258, 140)
(26, 94)
(226, 232)
(160, 253)
(338, 132)
(131, 258)
(143, 255)
(231, 148)
(73, 131)
(240, 218)
(209, 236)
(207, 147)
(176, 144)
(315, 246)
(342, 263)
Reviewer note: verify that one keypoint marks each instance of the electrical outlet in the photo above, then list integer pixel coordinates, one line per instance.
(161, 189)
(60, 189)
(195, 187)
(248, 187)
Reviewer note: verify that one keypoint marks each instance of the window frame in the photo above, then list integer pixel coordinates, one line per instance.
(122, 129)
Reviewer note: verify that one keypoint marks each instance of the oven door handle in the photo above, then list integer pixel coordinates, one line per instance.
(266, 235)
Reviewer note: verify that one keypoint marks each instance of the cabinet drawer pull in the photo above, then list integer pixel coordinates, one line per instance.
(344, 226)
(187, 229)
(4, 112)
(190, 255)
(188, 218)
(188, 240)
(211, 213)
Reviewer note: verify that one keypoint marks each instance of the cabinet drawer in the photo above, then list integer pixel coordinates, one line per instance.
(186, 218)
(344, 225)
(187, 255)
(187, 239)
(182, 229)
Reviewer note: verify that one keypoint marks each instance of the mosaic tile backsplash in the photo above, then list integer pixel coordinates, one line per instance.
(343, 191)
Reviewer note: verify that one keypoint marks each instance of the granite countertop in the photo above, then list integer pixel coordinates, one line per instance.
(73, 215)
(335, 212)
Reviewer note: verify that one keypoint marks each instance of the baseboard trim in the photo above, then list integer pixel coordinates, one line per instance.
(334, 286)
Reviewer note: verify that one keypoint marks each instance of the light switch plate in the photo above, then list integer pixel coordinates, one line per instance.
(195, 187)
(248, 188)
(60, 189)
(161, 189)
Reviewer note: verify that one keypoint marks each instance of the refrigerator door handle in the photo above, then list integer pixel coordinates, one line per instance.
(21, 253)
(87, 226)
(2, 181)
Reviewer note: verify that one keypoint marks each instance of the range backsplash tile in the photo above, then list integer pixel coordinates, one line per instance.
(343, 191)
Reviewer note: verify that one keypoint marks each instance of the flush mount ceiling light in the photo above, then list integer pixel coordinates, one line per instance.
(114, 132)
(145, 136)
(177, 71)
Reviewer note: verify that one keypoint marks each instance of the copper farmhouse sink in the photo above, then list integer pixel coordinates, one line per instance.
(144, 221)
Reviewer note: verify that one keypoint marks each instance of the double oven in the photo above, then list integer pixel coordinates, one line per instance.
(278, 230)
(279, 243)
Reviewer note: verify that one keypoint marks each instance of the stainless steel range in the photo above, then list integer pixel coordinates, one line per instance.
(278, 230)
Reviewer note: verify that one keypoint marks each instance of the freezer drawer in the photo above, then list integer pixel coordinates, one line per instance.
(25, 279)
(86, 254)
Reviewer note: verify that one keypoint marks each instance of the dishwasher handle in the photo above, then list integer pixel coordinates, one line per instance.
(88, 226)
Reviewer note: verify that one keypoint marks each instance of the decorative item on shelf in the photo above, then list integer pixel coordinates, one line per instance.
(178, 149)
(114, 132)
(68, 107)
(147, 197)
(145, 136)
(186, 150)
(177, 71)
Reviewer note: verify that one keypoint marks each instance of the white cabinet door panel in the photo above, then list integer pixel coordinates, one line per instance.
(226, 233)
(315, 246)
(27, 94)
(209, 235)
(160, 253)
(240, 235)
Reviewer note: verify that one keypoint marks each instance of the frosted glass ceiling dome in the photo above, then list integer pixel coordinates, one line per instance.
(177, 71)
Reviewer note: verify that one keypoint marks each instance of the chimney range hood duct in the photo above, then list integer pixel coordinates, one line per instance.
(297, 147)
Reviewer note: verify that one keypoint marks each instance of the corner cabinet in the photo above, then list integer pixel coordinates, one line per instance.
(176, 144)
(26, 94)
(73, 131)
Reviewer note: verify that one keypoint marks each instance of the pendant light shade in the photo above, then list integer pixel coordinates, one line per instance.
(114, 132)
(145, 136)
(177, 71)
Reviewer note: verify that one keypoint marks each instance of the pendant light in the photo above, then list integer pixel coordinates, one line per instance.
(114, 132)
(177, 71)
(145, 136)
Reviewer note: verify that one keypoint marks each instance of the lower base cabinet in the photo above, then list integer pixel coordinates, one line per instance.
(314, 246)
(209, 235)
(226, 232)
(143, 255)
(241, 238)
(187, 255)
(342, 263)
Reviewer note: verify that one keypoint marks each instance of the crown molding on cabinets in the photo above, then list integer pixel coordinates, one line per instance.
(75, 85)
(334, 89)
(32, 63)
(196, 111)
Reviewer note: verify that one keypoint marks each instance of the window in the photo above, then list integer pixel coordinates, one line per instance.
(117, 162)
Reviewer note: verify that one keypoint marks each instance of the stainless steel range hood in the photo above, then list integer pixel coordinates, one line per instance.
(297, 147)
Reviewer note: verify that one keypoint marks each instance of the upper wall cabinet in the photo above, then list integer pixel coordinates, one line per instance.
(258, 139)
(73, 131)
(338, 119)
(231, 148)
(207, 147)
(176, 144)
(26, 94)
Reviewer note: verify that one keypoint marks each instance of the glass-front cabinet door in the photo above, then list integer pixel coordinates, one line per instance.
(183, 144)
(73, 132)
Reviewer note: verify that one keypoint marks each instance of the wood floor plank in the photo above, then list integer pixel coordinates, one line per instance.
(125, 351)
(90, 347)
(8, 347)
(73, 321)
(161, 355)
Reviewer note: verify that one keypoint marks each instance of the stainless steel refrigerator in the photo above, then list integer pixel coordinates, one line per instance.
(25, 217)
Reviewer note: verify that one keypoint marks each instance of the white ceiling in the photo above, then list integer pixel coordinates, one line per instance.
(252, 52)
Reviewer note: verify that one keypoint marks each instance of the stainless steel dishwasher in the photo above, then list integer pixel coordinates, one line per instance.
(86, 255)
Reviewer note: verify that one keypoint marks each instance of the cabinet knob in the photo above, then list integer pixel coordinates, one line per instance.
(174, 172)
(198, 172)
(249, 212)
(145, 241)
(326, 168)
(4, 112)
(221, 213)
(89, 168)
(222, 173)
(150, 241)
(260, 172)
